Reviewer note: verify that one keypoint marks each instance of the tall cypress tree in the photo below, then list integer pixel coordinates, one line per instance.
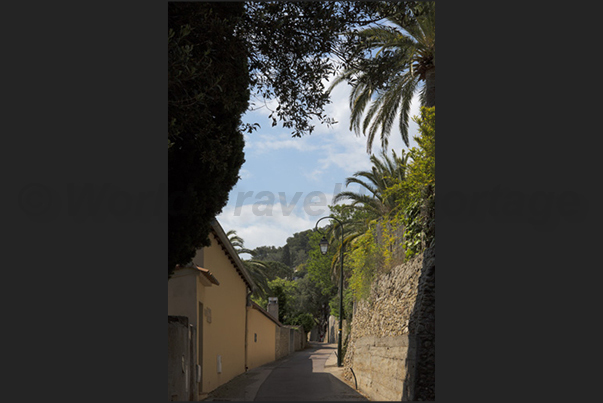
(286, 255)
(208, 92)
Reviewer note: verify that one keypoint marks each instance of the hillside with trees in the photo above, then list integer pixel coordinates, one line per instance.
(293, 254)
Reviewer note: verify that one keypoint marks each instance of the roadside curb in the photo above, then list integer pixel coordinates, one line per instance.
(331, 361)
(332, 368)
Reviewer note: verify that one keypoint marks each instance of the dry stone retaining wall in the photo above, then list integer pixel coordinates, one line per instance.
(288, 340)
(392, 341)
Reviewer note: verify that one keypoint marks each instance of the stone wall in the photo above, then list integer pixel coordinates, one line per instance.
(300, 339)
(288, 340)
(332, 335)
(392, 341)
(282, 342)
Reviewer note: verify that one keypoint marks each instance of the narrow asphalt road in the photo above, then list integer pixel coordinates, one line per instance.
(301, 376)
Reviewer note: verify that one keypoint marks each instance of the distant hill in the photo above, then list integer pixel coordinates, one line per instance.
(292, 254)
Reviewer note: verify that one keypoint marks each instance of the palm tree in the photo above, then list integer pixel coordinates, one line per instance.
(367, 210)
(385, 173)
(236, 242)
(404, 62)
(256, 268)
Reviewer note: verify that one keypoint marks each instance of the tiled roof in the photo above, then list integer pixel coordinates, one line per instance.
(208, 274)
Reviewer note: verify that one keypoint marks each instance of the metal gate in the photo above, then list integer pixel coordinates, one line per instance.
(182, 385)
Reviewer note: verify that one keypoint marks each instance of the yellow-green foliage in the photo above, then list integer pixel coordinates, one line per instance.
(420, 170)
(420, 192)
(373, 253)
(414, 194)
(390, 231)
(363, 259)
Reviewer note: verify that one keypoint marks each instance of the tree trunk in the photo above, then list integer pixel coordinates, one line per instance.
(430, 88)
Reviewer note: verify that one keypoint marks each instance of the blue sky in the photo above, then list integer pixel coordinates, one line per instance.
(286, 183)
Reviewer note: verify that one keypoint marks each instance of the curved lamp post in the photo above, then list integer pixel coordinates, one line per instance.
(324, 245)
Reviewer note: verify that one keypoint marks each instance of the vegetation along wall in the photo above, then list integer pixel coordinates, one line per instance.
(392, 342)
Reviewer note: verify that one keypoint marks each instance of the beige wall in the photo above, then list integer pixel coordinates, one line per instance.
(182, 292)
(262, 351)
(225, 335)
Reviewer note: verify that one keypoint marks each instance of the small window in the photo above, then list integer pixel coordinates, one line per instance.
(256, 337)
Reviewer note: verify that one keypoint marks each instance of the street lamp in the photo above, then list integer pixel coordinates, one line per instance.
(324, 244)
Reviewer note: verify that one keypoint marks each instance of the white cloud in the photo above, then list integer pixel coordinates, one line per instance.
(245, 174)
(344, 149)
(314, 176)
(257, 230)
(269, 142)
(261, 223)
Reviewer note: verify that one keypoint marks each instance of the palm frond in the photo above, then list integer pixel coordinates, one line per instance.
(383, 86)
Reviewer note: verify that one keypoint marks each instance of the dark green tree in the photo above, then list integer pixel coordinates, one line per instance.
(208, 91)
(292, 254)
(305, 320)
(267, 253)
(299, 247)
(285, 291)
(276, 269)
(293, 47)
(286, 255)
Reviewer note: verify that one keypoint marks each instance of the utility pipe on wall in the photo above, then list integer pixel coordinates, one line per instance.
(247, 303)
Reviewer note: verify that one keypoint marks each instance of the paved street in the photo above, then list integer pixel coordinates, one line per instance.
(300, 376)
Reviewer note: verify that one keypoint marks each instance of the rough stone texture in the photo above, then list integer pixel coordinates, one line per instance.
(333, 330)
(288, 340)
(300, 338)
(392, 341)
(282, 342)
